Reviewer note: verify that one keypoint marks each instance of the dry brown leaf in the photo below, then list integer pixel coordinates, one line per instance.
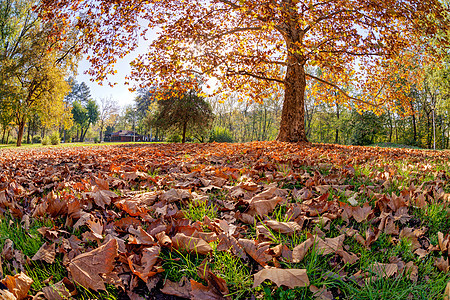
(299, 252)
(201, 292)
(329, 245)
(447, 291)
(174, 195)
(7, 295)
(264, 203)
(288, 228)
(57, 291)
(141, 237)
(87, 267)
(442, 264)
(413, 271)
(46, 253)
(361, 214)
(18, 285)
(257, 253)
(146, 269)
(163, 239)
(180, 289)
(102, 197)
(191, 244)
(384, 270)
(291, 278)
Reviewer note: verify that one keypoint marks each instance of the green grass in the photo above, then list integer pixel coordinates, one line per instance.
(197, 210)
(78, 144)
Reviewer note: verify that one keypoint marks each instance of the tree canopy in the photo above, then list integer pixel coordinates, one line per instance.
(255, 46)
(186, 112)
(34, 64)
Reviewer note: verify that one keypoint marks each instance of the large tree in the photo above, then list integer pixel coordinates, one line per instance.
(35, 58)
(253, 45)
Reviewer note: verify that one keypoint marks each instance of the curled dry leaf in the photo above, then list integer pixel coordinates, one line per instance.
(47, 253)
(163, 239)
(447, 291)
(361, 214)
(18, 285)
(7, 295)
(291, 278)
(442, 264)
(147, 263)
(288, 228)
(140, 237)
(256, 252)
(87, 267)
(191, 244)
(201, 292)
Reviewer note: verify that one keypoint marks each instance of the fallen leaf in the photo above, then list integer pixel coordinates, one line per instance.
(191, 244)
(291, 278)
(180, 289)
(442, 264)
(7, 295)
(288, 228)
(299, 252)
(384, 270)
(18, 285)
(256, 252)
(47, 253)
(146, 269)
(87, 267)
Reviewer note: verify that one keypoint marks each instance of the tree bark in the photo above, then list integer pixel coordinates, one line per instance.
(20, 133)
(184, 132)
(336, 138)
(292, 125)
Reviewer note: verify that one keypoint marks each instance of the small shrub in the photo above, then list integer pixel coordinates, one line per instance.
(54, 138)
(174, 138)
(221, 135)
(96, 140)
(36, 139)
(46, 141)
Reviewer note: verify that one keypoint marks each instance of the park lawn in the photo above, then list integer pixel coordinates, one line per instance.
(264, 219)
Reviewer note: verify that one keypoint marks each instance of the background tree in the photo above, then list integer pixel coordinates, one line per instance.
(85, 116)
(257, 46)
(188, 113)
(36, 57)
(108, 110)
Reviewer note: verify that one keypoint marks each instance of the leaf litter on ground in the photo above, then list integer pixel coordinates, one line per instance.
(325, 220)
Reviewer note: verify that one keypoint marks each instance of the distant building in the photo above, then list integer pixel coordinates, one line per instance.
(126, 136)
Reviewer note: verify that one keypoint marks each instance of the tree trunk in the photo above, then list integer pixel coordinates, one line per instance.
(414, 128)
(28, 132)
(101, 132)
(292, 125)
(20, 133)
(183, 140)
(3, 135)
(336, 138)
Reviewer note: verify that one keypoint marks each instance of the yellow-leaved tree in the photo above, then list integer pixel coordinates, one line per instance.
(36, 58)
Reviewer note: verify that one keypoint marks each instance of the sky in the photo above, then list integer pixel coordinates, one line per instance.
(119, 92)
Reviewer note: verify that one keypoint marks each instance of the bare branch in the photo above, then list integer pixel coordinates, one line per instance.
(345, 93)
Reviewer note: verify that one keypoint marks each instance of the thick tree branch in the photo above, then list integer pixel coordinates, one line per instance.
(246, 73)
